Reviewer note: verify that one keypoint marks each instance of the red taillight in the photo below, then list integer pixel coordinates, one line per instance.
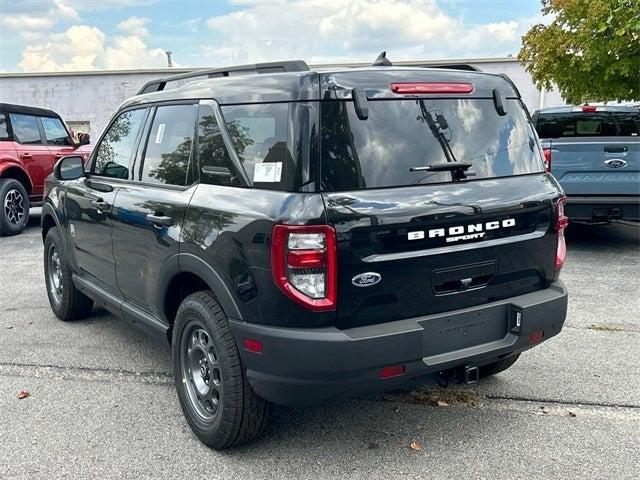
(251, 345)
(562, 221)
(390, 372)
(304, 265)
(547, 159)
(588, 108)
(431, 87)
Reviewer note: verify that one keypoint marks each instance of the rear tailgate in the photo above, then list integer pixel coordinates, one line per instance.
(510, 250)
(414, 241)
(607, 166)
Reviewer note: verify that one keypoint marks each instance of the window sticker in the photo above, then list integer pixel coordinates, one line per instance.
(160, 133)
(267, 172)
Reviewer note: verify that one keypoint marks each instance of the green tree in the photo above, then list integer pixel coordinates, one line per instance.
(591, 49)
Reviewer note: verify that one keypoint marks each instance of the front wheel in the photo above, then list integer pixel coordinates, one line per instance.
(14, 207)
(219, 404)
(67, 302)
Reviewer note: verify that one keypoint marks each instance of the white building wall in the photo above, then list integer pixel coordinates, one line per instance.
(94, 96)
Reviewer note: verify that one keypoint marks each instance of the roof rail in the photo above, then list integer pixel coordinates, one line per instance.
(271, 67)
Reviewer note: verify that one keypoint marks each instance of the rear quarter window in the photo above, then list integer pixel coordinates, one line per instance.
(275, 143)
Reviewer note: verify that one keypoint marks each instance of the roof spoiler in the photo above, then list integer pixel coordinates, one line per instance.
(253, 69)
(454, 66)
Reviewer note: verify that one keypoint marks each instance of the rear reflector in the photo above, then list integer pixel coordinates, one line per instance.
(536, 336)
(390, 372)
(252, 345)
(431, 87)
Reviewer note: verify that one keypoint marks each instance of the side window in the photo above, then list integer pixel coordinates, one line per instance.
(25, 129)
(54, 131)
(4, 133)
(115, 150)
(166, 158)
(214, 162)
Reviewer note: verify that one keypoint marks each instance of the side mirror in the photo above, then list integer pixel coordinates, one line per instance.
(69, 168)
(84, 139)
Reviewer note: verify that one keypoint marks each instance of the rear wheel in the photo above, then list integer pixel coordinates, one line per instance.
(67, 302)
(499, 366)
(220, 406)
(14, 207)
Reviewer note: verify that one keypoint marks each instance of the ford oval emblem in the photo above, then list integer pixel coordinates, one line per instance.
(615, 163)
(366, 279)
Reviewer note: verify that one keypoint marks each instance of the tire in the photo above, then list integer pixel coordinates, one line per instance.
(14, 207)
(67, 302)
(219, 404)
(499, 366)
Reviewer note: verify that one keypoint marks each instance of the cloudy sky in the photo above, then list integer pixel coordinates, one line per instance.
(62, 35)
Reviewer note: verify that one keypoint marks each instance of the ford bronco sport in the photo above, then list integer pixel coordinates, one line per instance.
(301, 235)
(31, 141)
(594, 152)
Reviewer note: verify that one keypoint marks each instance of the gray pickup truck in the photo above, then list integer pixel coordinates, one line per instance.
(594, 152)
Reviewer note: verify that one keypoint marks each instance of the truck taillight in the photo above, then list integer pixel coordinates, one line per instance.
(547, 159)
(561, 223)
(304, 264)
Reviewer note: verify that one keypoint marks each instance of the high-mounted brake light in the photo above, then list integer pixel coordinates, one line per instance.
(547, 159)
(431, 87)
(562, 221)
(304, 264)
(588, 108)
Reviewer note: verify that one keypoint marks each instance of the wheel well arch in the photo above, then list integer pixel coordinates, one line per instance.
(180, 287)
(19, 174)
(47, 223)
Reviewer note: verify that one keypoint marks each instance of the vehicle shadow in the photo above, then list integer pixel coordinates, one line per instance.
(596, 237)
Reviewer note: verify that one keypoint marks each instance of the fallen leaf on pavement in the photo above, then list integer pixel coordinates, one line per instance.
(442, 403)
(23, 394)
(544, 410)
(572, 414)
(417, 446)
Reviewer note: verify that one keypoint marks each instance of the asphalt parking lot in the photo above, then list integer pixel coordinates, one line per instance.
(102, 403)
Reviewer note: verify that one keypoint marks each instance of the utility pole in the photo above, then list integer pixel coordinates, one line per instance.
(169, 62)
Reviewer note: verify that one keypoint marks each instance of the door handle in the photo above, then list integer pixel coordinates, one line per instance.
(159, 220)
(26, 156)
(100, 205)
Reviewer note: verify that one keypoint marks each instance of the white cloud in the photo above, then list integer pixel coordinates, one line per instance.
(31, 20)
(348, 30)
(134, 26)
(83, 47)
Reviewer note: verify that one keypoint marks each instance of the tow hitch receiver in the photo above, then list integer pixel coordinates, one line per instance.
(470, 375)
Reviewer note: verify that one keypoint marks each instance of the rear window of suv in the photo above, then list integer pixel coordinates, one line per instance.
(584, 124)
(403, 134)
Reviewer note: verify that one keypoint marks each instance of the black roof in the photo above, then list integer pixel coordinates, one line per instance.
(42, 112)
(325, 84)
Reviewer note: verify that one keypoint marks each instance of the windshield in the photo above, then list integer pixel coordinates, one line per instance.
(402, 137)
(583, 124)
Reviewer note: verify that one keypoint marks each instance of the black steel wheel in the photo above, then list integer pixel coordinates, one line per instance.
(219, 404)
(67, 302)
(14, 207)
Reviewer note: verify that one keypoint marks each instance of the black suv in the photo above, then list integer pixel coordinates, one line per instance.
(301, 235)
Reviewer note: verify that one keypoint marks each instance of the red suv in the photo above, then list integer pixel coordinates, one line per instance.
(31, 142)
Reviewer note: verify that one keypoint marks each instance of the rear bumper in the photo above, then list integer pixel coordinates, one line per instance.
(307, 366)
(603, 209)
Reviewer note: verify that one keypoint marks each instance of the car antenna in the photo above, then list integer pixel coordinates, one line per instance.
(382, 61)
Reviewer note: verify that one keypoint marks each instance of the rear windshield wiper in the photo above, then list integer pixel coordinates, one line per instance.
(458, 169)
